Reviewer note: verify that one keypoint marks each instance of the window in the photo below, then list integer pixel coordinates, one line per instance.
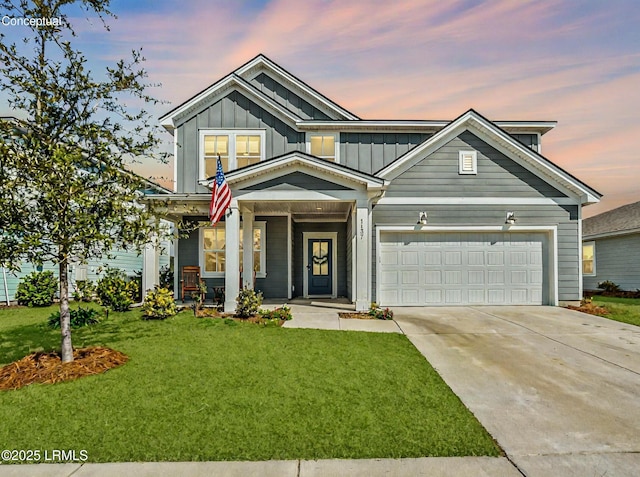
(323, 146)
(237, 148)
(589, 258)
(467, 162)
(213, 250)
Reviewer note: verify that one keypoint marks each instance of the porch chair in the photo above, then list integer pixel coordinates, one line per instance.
(191, 281)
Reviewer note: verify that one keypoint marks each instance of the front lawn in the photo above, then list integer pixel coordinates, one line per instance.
(626, 310)
(202, 389)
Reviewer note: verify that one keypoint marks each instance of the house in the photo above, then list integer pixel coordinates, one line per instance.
(611, 248)
(401, 212)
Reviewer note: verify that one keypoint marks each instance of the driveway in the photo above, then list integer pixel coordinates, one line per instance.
(559, 390)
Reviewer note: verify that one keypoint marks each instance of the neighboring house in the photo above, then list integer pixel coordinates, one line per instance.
(401, 212)
(611, 248)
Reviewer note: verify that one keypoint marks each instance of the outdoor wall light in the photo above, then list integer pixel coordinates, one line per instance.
(511, 218)
(422, 219)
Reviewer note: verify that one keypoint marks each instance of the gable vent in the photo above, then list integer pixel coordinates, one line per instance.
(468, 162)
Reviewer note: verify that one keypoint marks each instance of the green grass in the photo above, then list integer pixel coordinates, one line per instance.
(626, 310)
(200, 389)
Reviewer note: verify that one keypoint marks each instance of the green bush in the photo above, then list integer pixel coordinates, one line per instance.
(609, 286)
(85, 291)
(248, 303)
(380, 314)
(281, 313)
(159, 304)
(166, 277)
(114, 291)
(79, 318)
(37, 289)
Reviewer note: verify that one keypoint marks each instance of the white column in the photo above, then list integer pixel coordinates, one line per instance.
(363, 257)
(150, 267)
(177, 273)
(247, 249)
(232, 265)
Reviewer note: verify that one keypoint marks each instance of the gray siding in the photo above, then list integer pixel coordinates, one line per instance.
(299, 179)
(275, 284)
(498, 176)
(529, 140)
(298, 260)
(371, 152)
(232, 111)
(617, 260)
(565, 218)
(287, 98)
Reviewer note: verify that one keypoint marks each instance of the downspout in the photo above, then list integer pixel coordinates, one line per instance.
(6, 289)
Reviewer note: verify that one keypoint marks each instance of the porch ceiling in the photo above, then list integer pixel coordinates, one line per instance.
(305, 210)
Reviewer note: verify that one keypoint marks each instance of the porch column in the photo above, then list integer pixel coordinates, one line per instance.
(232, 265)
(363, 257)
(150, 265)
(247, 249)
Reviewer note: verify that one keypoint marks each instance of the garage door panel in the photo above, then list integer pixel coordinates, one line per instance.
(461, 268)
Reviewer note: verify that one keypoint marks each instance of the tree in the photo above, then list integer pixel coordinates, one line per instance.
(65, 195)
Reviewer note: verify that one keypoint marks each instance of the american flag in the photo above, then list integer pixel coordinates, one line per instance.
(220, 196)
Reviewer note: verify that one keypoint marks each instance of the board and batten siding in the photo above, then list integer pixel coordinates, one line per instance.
(287, 98)
(234, 111)
(563, 217)
(617, 259)
(498, 176)
(370, 152)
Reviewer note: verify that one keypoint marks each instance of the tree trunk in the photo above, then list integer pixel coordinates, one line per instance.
(65, 319)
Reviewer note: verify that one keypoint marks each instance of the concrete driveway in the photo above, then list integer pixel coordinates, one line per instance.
(558, 389)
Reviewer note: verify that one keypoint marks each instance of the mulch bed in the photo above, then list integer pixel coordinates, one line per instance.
(213, 313)
(591, 309)
(47, 368)
(356, 316)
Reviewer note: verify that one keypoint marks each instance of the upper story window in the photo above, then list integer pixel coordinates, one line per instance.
(237, 148)
(324, 146)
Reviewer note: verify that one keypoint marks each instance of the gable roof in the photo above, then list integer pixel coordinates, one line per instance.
(620, 221)
(289, 162)
(501, 140)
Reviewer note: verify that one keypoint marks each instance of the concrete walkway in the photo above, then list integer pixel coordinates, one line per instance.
(558, 390)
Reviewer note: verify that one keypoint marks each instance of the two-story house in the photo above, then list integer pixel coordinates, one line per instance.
(401, 212)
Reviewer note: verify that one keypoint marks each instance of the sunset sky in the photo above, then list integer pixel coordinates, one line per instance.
(576, 62)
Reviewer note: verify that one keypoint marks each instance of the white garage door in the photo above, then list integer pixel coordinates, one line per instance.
(431, 268)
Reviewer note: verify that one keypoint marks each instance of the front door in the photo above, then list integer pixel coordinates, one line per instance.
(320, 266)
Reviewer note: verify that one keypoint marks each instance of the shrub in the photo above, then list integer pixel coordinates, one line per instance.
(248, 303)
(37, 289)
(114, 291)
(281, 313)
(379, 313)
(159, 304)
(85, 291)
(79, 318)
(166, 277)
(609, 286)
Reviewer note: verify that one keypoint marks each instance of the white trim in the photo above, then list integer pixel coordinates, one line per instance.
(231, 134)
(593, 243)
(580, 275)
(336, 144)
(477, 201)
(552, 230)
(333, 236)
(289, 257)
(175, 160)
(263, 250)
(617, 233)
(462, 156)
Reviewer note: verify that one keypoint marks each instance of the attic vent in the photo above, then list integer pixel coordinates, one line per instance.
(467, 162)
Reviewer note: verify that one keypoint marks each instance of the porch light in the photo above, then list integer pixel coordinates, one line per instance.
(511, 218)
(422, 219)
